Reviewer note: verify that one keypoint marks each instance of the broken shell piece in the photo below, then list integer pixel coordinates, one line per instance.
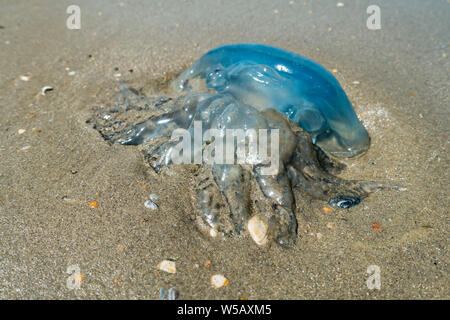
(258, 230)
(25, 77)
(213, 232)
(327, 210)
(45, 89)
(150, 205)
(167, 266)
(207, 264)
(154, 197)
(93, 204)
(219, 281)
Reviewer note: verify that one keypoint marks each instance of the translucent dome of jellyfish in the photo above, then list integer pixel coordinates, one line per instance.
(249, 87)
(270, 78)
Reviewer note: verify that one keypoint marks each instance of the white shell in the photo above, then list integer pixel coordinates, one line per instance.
(258, 230)
(45, 89)
(167, 266)
(213, 232)
(219, 281)
(154, 197)
(150, 205)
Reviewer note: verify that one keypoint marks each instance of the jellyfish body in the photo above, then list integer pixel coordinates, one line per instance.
(266, 77)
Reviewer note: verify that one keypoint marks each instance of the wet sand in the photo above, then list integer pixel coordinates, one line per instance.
(397, 79)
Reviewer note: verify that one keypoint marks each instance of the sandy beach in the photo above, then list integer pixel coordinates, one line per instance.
(70, 199)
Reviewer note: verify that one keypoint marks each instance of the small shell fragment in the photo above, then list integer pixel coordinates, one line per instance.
(377, 227)
(45, 89)
(213, 233)
(21, 131)
(154, 197)
(258, 230)
(327, 210)
(150, 205)
(25, 77)
(219, 281)
(78, 278)
(167, 266)
(207, 264)
(93, 204)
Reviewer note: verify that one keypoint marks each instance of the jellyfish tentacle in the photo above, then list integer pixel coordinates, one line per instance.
(308, 175)
(234, 183)
(281, 216)
(212, 210)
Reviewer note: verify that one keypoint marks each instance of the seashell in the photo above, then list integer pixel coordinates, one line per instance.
(25, 77)
(344, 201)
(213, 233)
(45, 89)
(219, 281)
(258, 229)
(167, 266)
(154, 197)
(150, 205)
